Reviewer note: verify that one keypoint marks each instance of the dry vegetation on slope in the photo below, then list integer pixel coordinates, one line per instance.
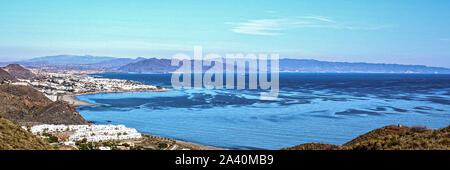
(18, 71)
(391, 138)
(25, 105)
(5, 76)
(13, 137)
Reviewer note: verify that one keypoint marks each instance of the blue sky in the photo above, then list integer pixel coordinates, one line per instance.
(381, 31)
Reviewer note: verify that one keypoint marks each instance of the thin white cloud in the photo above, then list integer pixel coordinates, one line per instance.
(318, 18)
(273, 27)
(258, 27)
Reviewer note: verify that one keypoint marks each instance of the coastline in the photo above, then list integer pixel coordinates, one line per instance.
(70, 99)
(184, 144)
(198, 146)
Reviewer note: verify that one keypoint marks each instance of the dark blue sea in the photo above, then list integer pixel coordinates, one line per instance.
(325, 108)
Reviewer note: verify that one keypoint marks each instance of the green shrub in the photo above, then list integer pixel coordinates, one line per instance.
(162, 145)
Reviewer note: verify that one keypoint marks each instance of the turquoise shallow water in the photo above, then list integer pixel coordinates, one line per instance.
(327, 108)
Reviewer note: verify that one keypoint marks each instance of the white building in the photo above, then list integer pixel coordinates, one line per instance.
(93, 133)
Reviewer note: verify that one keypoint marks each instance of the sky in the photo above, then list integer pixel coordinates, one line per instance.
(377, 31)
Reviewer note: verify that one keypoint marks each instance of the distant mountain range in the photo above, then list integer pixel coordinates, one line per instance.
(69, 59)
(154, 65)
(80, 60)
(314, 66)
(296, 65)
(73, 62)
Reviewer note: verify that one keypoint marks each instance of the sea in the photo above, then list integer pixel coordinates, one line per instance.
(324, 108)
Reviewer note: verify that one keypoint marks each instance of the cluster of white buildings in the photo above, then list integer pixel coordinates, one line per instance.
(93, 133)
(55, 84)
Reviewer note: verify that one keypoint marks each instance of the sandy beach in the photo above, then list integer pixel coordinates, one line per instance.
(179, 144)
(72, 101)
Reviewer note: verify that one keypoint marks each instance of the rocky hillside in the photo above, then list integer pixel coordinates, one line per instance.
(391, 138)
(19, 72)
(25, 105)
(13, 137)
(5, 76)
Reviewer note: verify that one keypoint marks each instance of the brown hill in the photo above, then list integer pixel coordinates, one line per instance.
(314, 146)
(391, 138)
(5, 76)
(402, 138)
(25, 105)
(19, 72)
(13, 137)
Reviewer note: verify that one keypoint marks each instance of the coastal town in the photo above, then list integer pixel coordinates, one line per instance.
(68, 130)
(106, 137)
(69, 134)
(56, 85)
(62, 86)
(92, 133)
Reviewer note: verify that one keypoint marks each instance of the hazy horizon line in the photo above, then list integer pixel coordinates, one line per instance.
(158, 57)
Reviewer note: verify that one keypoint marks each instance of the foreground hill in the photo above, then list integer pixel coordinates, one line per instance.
(18, 71)
(390, 138)
(25, 105)
(13, 137)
